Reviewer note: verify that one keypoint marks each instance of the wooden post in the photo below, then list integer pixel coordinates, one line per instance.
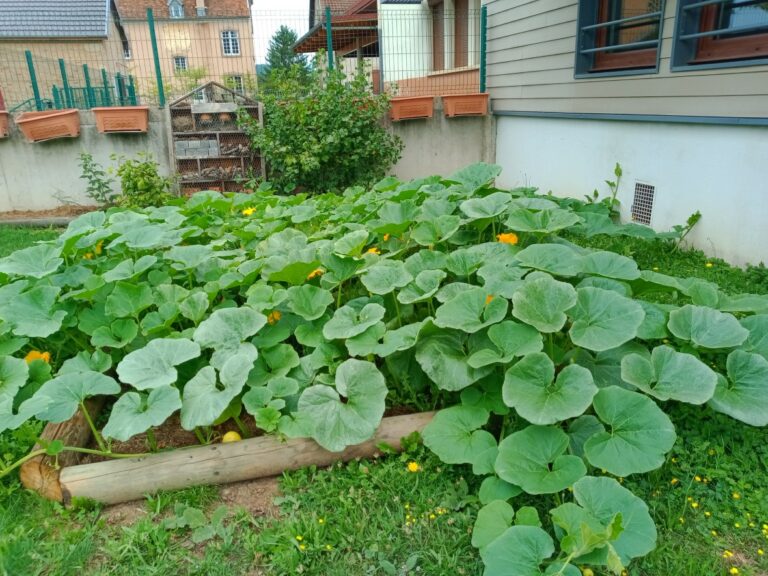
(130, 479)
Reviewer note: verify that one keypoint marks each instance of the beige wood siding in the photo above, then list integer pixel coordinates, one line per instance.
(531, 54)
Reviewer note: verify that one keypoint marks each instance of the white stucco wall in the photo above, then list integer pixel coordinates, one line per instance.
(406, 40)
(721, 171)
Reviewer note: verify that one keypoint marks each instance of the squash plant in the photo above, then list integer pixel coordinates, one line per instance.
(308, 313)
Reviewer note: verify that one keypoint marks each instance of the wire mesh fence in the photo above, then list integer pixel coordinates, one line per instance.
(154, 57)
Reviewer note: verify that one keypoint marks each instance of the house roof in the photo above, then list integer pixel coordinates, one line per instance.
(54, 18)
(137, 9)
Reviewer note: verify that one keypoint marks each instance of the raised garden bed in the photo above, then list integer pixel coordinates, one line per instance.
(115, 481)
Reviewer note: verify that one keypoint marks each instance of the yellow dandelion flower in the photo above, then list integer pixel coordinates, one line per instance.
(697, 478)
(690, 498)
(655, 268)
(413, 466)
(274, 317)
(733, 570)
(681, 520)
(709, 264)
(508, 238)
(760, 552)
(751, 524)
(674, 481)
(302, 546)
(432, 516)
(737, 525)
(727, 553)
(714, 532)
(248, 211)
(694, 505)
(33, 355)
(299, 537)
(736, 496)
(707, 513)
(407, 506)
(321, 520)
(386, 237)
(373, 250)
(328, 547)
(315, 273)
(674, 460)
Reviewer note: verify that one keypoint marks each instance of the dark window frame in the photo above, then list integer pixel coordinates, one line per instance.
(593, 55)
(694, 49)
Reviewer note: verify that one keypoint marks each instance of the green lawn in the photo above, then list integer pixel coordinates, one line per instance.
(710, 500)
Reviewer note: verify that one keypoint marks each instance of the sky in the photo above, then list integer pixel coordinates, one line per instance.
(269, 15)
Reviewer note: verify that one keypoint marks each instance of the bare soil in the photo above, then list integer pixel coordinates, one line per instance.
(71, 210)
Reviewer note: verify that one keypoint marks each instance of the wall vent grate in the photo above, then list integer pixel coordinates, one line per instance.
(642, 205)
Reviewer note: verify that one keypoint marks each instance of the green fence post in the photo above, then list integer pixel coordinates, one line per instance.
(105, 82)
(483, 47)
(131, 91)
(56, 98)
(90, 96)
(65, 83)
(329, 36)
(120, 84)
(33, 79)
(156, 53)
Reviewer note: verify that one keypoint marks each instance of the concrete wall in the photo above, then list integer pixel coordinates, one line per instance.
(718, 170)
(443, 145)
(46, 175)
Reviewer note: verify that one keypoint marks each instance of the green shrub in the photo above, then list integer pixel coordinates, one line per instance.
(323, 132)
(141, 182)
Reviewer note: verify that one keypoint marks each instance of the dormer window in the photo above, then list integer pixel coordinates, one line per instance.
(176, 8)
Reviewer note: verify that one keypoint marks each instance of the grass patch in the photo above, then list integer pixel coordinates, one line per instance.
(14, 238)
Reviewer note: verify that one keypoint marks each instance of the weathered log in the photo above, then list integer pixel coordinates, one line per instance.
(118, 481)
(41, 473)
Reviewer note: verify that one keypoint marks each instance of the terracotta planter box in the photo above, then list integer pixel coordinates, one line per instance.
(49, 124)
(411, 108)
(466, 105)
(4, 130)
(122, 119)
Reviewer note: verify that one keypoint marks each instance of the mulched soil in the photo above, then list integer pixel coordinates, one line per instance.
(68, 211)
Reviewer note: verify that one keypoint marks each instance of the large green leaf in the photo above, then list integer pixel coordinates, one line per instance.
(556, 259)
(384, 276)
(518, 551)
(639, 437)
(744, 394)
(349, 321)
(506, 341)
(669, 374)
(431, 232)
(128, 299)
(535, 460)
(531, 389)
(309, 302)
(492, 521)
(134, 413)
(128, 269)
(189, 257)
(32, 313)
(62, 396)
(489, 206)
(494, 488)
(604, 498)
(583, 532)
(502, 279)
(423, 287)
(454, 435)
(542, 302)
(117, 335)
(13, 377)
(36, 261)
(541, 222)
(227, 328)
(154, 365)
(603, 319)
(611, 265)
(350, 413)
(471, 311)
(443, 356)
(757, 341)
(204, 401)
(706, 327)
(476, 176)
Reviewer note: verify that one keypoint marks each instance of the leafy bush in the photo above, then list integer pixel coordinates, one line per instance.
(311, 313)
(141, 182)
(322, 131)
(99, 182)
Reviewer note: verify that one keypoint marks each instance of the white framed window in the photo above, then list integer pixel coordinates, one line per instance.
(230, 42)
(235, 83)
(176, 9)
(127, 52)
(180, 63)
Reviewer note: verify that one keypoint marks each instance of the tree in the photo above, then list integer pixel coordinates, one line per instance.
(280, 54)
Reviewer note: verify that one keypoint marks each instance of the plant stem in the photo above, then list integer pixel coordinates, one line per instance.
(200, 437)
(551, 347)
(151, 440)
(493, 229)
(96, 435)
(397, 310)
(338, 295)
(243, 429)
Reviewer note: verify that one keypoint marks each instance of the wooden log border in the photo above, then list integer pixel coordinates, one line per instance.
(116, 481)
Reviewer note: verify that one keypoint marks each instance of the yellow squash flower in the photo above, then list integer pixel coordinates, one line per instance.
(386, 237)
(488, 299)
(508, 238)
(373, 250)
(315, 273)
(248, 211)
(99, 248)
(88, 255)
(274, 317)
(37, 355)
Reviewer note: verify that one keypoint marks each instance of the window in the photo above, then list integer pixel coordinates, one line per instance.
(455, 33)
(201, 11)
(176, 8)
(621, 36)
(127, 52)
(721, 33)
(180, 63)
(235, 83)
(230, 42)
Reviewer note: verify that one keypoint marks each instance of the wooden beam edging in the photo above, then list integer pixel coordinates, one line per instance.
(116, 481)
